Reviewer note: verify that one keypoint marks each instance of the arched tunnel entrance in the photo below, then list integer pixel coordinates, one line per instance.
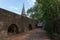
(13, 28)
(30, 27)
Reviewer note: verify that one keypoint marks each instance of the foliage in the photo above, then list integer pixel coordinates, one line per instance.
(47, 10)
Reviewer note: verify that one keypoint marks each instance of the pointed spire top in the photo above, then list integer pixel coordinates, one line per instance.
(23, 10)
(23, 5)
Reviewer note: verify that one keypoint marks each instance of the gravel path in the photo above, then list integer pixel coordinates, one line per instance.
(36, 34)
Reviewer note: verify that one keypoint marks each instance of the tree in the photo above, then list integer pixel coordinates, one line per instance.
(47, 10)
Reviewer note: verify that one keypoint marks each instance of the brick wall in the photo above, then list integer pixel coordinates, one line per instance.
(7, 18)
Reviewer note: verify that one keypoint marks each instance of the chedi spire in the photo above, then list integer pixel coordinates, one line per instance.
(23, 11)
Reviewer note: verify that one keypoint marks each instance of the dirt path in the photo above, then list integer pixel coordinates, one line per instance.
(36, 34)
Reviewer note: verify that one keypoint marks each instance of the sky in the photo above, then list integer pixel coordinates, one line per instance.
(16, 5)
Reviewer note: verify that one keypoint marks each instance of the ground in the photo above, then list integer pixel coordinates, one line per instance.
(35, 34)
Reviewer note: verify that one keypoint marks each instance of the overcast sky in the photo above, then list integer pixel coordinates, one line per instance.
(16, 5)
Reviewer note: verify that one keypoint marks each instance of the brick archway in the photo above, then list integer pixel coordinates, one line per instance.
(30, 27)
(13, 28)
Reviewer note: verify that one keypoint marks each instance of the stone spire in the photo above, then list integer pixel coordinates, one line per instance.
(23, 11)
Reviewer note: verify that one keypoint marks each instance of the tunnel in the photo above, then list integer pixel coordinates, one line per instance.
(13, 28)
(30, 27)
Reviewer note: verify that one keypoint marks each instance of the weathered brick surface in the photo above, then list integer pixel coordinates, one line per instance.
(7, 18)
(3, 35)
